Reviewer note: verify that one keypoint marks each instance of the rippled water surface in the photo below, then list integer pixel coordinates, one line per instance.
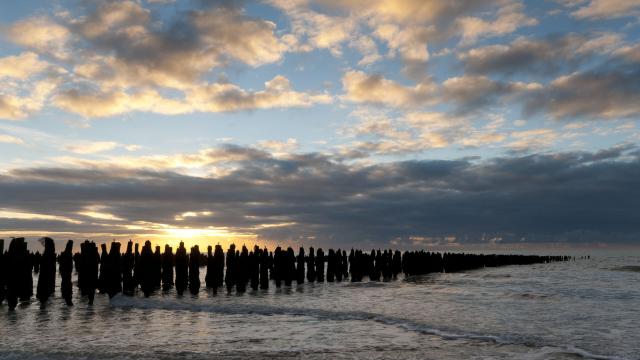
(566, 310)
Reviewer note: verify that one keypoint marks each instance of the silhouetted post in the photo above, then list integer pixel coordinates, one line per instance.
(278, 266)
(230, 276)
(339, 274)
(16, 262)
(338, 265)
(290, 271)
(182, 269)
(396, 264)
(254, 262)
(47, 277)
(387, 265)
(345, 265)
(147, 283)
(113, 270)
(102, 279)
(194, 270)
(311, 266)
(88, 269)
(265, 265)
(78, 261)
(208, 278)
(218, 265)
(271, 266)
(76, 265)
(374, 266)
(242, 275)
(167, 268)
(66, 268)
(331, 265)
(157, 268)
(300, 266)
(26, 289)
(128, 262)
(136, 267)
(320, 265)
(3, 273)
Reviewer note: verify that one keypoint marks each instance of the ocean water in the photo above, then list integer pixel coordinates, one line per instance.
(564, 310)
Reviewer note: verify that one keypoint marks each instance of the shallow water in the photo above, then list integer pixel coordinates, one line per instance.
(564, 310)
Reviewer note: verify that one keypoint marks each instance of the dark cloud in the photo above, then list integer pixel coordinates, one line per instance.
(578, 196)
(606, 89)
(474, 93)
(607, 92)
(544, 56)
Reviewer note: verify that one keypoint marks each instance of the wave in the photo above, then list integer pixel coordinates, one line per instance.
(549, 352)
(121, 301)
(496, 276)
(527, 295)
(631, 268)
(587, 355)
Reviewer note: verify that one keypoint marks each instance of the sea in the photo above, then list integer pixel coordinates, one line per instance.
(582, 309)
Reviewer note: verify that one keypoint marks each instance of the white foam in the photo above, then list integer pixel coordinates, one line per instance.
(122, 301)
(266, 310)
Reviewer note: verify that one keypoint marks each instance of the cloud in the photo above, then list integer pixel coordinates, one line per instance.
(277, 93)
(19, 215)
(630, 53)
(279, 148)
(416, 132)
(537, 56)
(314, 30)
(12, 107)
(472, 93)
(604, 9)
(21, 66)
(468, 93)
(8, 139)
(40, 34)
(92, 147)
(27, 82)
(92, 103)
(405, 27)
(410, 43)
(375, 89)
(17, 107)
(98, 212)
(533, 140)
(570, 196)
(129, 48)
(127, 58)
(368, 48)
(508, 19)
(571, 96)
(215, 97)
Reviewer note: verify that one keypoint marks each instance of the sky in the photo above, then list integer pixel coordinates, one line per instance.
(378, 123)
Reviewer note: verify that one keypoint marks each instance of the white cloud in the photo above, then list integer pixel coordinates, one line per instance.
(509, 18)
(599, 9)
(87, 147)
(40, 34)
(8, 139)
(279, 148)
(21, 66)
